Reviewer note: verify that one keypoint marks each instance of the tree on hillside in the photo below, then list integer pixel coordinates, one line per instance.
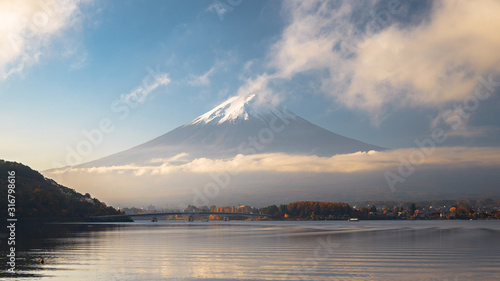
(270, 210)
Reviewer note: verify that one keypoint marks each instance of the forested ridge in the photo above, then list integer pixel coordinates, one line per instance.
(40, 197)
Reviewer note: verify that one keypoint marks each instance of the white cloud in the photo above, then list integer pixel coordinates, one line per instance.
(221, 64)
(219, 8)
(285, 163)
(203, 79)
(259, 85)
(149, 84)
(27, 29)
(427, 65)
(179, 157)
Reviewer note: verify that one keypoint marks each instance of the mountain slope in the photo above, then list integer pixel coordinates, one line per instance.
(240, 125)
(37, 196)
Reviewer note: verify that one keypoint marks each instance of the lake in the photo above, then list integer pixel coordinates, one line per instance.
(260, 250)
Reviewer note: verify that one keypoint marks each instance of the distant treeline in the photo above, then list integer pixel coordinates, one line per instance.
(39, 197)
(383, 210)
(435, 209)
(313, 210)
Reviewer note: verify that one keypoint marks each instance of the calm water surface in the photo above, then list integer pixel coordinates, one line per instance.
(367, 250)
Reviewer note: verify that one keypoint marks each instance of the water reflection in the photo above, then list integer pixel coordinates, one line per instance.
(397, 250)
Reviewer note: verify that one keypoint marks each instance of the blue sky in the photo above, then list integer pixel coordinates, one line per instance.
(383, 72)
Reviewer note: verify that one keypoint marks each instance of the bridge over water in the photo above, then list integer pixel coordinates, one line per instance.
(188, 216)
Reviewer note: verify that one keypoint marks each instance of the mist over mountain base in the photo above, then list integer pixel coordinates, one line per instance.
(263, 188)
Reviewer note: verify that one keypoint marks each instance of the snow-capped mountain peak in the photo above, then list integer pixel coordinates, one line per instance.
(235, 109)
(232, 128)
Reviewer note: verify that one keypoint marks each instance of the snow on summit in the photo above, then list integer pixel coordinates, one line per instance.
(238, 108)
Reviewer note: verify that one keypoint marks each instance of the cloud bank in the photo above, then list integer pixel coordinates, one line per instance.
(285, 163)
(381, 65)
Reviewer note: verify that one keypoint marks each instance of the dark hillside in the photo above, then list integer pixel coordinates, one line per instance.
(40, 197)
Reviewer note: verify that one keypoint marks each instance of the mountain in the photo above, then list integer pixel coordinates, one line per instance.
(40, 197)
(240, 125)
(170, 169)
